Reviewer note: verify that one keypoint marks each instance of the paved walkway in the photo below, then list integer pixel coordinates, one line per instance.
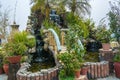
(4, 77)
(112, 77)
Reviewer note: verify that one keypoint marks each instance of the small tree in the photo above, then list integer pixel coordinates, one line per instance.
(114, 18)
(4, 22)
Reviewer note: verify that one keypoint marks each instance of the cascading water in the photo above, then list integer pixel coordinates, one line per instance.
(42, 58)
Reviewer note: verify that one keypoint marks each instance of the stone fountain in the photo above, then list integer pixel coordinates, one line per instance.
(43, 65)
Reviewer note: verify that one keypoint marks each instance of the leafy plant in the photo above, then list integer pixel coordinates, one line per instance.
(24, 59)
(1, 53)
(91, 57)
(31, 42)
(19, 37)
(18, 43)
(3, 56)
(72, 42)
(5, 60)
(1, 65)
(117, 57)
(49, 24)
(77, 25)
(114, 18)
(23, 37)
(103, 34)
(67, 77)
(15, 48)
(91, 28)
(69, 62)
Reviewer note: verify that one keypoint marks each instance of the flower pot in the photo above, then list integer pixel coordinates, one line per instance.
(117, 69)
(106, 46)
(1, 70)
(84, 70)
(14, 59)
(77, 73)
(6, 68)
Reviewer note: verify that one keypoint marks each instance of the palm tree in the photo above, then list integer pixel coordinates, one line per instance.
(76, 6)
(58, 5)
(43, 5)
(37, 4)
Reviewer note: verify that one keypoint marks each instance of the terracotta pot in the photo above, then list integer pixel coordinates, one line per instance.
(117, 69)
(1, 70)
(6, 68)
(106, 46)
(14, 59)
(77, 73)
(84, 70)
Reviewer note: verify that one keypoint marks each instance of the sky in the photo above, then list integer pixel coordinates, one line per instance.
(98, 11)
(22, 11)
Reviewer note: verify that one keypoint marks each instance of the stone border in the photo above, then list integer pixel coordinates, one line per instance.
(44, 74)
(97, 69)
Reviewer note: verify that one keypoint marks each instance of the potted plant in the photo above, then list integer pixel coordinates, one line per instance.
(23, 37)
(5, 65)
(16, 46)
(15, 51)
(103, 35)
(3, 61)
(117, 64)
(76, 67)
(70, 64)
(65, 60)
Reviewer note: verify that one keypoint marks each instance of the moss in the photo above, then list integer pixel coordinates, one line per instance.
(91, 57)
(37, 67)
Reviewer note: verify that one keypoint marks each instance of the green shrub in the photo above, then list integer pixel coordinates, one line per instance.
(69, 63)
(117, 57)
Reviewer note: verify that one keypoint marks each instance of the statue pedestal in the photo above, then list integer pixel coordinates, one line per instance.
(13, 68)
